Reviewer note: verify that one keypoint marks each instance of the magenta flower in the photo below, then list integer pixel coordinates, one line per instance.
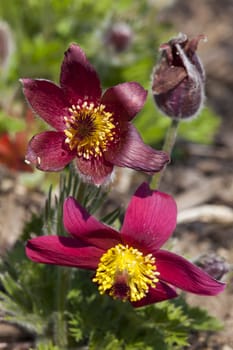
(96, 131)
(128, 264)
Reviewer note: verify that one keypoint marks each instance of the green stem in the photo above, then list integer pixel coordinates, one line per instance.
(81, 191)
(167, 147)
(62, 274)
(60, 331)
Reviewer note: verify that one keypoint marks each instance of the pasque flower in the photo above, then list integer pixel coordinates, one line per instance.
(129, 264)
(13, 147)
(12, 151)
(92, 128)
(178, 78)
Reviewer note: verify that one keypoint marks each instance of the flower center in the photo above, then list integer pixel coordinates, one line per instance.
(124, 272)
(89, 129)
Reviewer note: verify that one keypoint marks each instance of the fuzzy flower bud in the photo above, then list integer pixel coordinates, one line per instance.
(214, 265)
(178, 79)
(119, 36)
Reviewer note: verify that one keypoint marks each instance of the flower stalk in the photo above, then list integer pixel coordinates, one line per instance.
(168, 145)
(60, 326)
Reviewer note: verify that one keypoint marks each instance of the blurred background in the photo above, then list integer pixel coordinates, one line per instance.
(121, 39)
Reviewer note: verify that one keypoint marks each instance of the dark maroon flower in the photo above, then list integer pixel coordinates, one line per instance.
(178, 79)
(128, 264)
(95, 130)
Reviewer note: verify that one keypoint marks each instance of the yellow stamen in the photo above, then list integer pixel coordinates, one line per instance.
(124, 272)
(89, 129)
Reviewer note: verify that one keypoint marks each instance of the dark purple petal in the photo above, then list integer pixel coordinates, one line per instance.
(79, 79)
(135, 154)
(181, 273)
(64, 251)
(48, 151)
(155, 295)
(149, 220)
(125, 100)
(97, 171)
(47, 100)
(85, 227)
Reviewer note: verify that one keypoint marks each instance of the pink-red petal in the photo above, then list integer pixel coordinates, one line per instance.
(97, 171)
(149, 220)
(48, 151)
(134, 153)
(78, 78)
(47, 100)
(160, 293)
(63, 251)
(86, 227)
(125, 100)
(181, 273)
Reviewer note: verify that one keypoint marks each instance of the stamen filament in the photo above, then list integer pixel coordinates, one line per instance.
(124, 272)
(89, 129)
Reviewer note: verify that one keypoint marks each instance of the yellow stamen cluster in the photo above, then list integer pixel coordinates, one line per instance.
(129, 265)
(89, 129)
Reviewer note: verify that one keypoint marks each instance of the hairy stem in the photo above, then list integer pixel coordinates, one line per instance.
(167, 147)
(60, 329)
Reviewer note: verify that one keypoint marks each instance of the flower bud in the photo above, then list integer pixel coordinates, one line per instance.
(6, 46)
(214, 265)
(119, 36)
(178, 79)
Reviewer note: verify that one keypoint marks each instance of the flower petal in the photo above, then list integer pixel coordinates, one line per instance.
(64, 251)
(183, 274)
(125, 100)
(47, 100)
(134, 153)
(79, 79)
(97, 171)
(48, 151)
(86, 227)
(150, 219)
(155, 295)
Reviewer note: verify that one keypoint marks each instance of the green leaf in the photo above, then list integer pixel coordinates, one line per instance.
(9, 124)
(202, 128)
